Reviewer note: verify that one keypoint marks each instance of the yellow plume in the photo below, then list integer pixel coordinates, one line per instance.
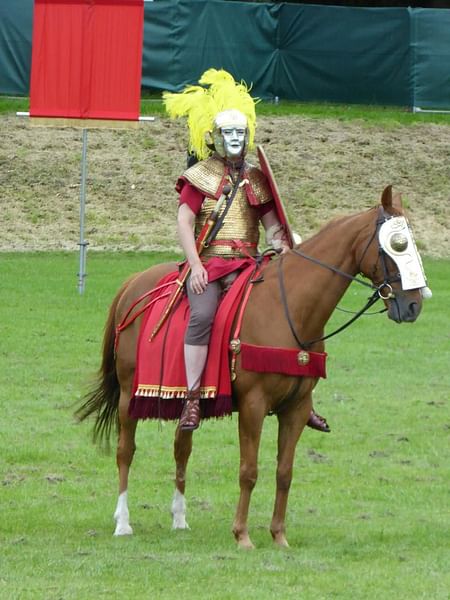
(201, 103)
(216, 77)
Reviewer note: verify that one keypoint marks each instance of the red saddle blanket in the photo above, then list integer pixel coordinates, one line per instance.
(160, 380)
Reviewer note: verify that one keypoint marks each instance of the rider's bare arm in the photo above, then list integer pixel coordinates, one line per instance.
(185, 226)
(275, 233)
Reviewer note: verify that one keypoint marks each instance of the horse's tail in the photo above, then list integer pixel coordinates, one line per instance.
(103, 399)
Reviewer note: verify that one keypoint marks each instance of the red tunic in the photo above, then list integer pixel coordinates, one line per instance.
(216, 266)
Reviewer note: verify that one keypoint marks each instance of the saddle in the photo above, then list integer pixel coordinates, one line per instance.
(160, 387)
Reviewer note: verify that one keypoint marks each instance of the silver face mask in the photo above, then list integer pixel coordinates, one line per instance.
(397, 241)
(233, 141)
(230, 134)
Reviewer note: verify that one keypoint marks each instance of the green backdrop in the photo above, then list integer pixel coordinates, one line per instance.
(391, 56)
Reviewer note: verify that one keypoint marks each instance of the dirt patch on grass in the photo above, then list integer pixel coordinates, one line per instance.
(323, 168)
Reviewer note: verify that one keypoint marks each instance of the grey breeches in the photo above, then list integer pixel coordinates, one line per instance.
(203, 309)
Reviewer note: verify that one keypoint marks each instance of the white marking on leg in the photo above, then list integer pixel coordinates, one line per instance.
(122, 516)
(179, 511)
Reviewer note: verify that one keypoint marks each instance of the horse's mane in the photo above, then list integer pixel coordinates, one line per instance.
(336, 222)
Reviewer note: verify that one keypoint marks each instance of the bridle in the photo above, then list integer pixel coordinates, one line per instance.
(382, 256)
(377, 289)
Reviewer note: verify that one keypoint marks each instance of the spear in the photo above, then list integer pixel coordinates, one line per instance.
(201, 243)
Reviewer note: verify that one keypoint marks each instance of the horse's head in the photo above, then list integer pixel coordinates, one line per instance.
(389, 258)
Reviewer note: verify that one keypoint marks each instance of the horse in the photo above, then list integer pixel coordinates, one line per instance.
(313, 276)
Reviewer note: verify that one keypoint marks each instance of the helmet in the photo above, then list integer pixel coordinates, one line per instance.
(219, 103)
(230, 134)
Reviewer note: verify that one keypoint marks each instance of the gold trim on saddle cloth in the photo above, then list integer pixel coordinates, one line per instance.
(162, 391)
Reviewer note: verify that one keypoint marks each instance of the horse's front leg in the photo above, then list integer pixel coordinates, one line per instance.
(291, 423)
(182, 452)
(251, 417)
(126, 448)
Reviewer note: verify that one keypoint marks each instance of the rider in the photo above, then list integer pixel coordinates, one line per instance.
(222, 121)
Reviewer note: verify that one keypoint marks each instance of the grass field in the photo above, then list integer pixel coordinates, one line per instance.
(369, 505)
(379, 114)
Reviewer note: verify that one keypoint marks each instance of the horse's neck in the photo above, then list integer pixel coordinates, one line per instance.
(318, 288)
(335, 244)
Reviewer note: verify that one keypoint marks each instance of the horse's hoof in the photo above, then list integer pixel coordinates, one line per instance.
(179, 522)
(280, 540)
(179, 511)
(245, 543)
(123, 529)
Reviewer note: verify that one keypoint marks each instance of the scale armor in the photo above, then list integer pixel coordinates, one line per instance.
(242, 220)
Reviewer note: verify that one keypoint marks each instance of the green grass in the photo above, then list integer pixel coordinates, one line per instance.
(369, 505)
(13, 104)
(390, 116)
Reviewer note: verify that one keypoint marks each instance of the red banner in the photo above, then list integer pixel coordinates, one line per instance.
(87, 59)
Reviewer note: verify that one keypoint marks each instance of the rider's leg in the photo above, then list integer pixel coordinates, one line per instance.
(195, 361)
(203, 308)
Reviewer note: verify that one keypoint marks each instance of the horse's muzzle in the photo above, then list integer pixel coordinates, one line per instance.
(405, 307)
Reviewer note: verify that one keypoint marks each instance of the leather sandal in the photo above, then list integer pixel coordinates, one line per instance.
(315, 421)
(190, 417)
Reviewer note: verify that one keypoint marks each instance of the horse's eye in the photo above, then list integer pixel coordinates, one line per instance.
(398, 242)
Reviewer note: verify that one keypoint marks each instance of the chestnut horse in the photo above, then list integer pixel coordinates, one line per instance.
(343, 249)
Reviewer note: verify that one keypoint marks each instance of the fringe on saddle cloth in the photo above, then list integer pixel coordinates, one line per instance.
(160, 380)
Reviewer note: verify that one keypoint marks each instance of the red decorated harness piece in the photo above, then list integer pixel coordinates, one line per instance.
(287, 361)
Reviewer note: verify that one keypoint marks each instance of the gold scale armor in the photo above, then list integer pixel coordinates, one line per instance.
(242, 221)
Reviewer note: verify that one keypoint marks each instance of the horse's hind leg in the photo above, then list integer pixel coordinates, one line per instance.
(182, 452)
(125, 451)
(290, 426)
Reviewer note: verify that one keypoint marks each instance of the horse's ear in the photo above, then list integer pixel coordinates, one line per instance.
(386, 197)
(391, 201)
(397, 201)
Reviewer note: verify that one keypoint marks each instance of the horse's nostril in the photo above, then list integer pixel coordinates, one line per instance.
(414, 309)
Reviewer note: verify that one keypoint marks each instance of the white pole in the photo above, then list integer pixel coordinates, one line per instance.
(83, 244)
(417, 109)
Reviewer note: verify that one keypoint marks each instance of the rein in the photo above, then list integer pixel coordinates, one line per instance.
(377, 290)
(305, 345)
